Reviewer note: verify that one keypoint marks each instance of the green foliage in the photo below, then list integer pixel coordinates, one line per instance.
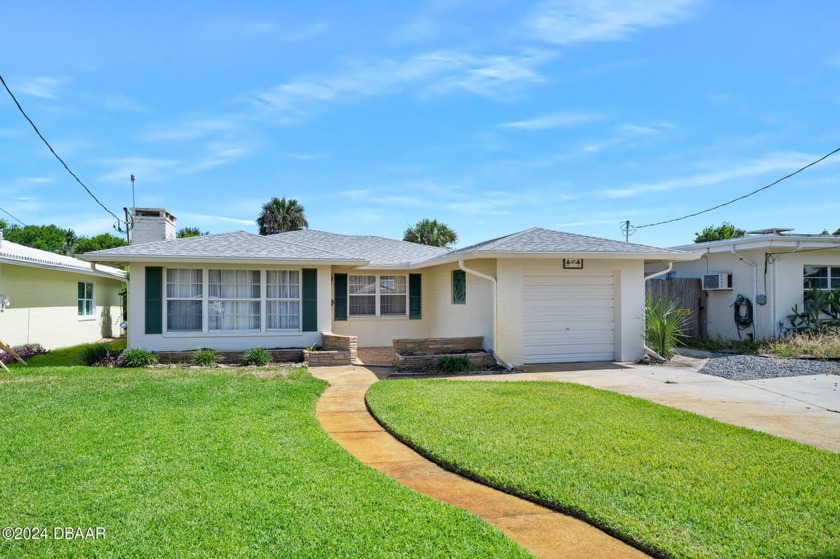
(137, 357)
(185, 232)
(280, 215)
(256, 356)
(204, 357)
(820, 313)
(44, 237)
(98, 242)
(719, 233)
(453, 364)
(98, 354)
(430, 232)
(679, 484)
(664, 325)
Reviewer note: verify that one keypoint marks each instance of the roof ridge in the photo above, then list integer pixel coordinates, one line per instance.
(277, 240)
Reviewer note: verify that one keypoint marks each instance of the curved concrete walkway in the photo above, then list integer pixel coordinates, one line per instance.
(342, 412)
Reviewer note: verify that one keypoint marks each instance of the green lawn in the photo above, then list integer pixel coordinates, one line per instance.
(66, 356)
(677, 483)
(194, 463)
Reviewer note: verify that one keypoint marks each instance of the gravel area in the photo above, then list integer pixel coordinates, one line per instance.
(753, 367)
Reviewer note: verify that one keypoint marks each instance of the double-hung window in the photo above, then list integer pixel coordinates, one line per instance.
(282, 299)
(234, 300)
(184, 290)
(377, 295)
(85, 298)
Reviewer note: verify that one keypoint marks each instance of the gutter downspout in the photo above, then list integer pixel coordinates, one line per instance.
(492, 281)
(754, 287)
(773, 309)
(661, 273)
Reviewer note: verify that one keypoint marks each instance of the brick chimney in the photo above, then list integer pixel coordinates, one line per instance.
(152, 224)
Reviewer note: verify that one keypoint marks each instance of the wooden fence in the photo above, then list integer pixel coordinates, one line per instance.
(691, 298)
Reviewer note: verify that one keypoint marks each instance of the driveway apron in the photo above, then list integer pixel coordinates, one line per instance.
(342, 412)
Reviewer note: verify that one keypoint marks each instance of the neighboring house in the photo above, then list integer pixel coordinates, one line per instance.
(56, 300)
(536, 296)
(771, 268)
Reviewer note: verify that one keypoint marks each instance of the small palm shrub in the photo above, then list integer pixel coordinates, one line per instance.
(664, 325)
(204, 357)
(256, 356)
(137, 357)
(98, 354)
(453, 364)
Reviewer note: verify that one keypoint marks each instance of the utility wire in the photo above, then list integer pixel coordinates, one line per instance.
(756, 191)
(13, 217)
(55, 154)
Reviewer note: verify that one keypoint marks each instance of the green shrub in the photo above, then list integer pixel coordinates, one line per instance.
(97, 354)
(453, 364)
(664, 325)
(137, 357)
(204, 357)
(256, 356)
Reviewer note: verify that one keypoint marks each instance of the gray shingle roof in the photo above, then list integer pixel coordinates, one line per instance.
(546, 241)
(379, 251)
(237, 245)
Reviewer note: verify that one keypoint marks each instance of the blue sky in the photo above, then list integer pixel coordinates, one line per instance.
(492, 116)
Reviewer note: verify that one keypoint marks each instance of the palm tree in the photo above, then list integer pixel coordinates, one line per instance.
(185, 232)
(68, 248)
(430, 232)
(280, 215)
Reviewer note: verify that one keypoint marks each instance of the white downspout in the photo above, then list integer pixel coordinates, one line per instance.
(773, 301)
(754, 287)
(661, 273)
(492, 281)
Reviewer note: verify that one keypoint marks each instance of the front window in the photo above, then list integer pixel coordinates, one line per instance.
(377, 295)
(184, 291)
(823, 278)
(234, 300)
(85, 299)
(282, 300)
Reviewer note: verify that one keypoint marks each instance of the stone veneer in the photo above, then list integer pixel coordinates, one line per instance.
(439, 346)
(336, 350)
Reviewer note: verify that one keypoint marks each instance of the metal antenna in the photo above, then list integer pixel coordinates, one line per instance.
(133, 202)
(627, 229)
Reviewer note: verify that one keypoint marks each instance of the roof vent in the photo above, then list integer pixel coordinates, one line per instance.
(771, 231)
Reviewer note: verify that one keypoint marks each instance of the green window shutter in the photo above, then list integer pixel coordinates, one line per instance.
(154, 300)
(340, 285)
(459, 287)
(309, 299)
(414, 302)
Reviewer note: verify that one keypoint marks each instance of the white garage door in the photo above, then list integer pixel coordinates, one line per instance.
(569, 319)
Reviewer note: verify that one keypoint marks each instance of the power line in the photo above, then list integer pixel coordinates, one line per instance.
(13, 217)
(56, 155)
(756, 191)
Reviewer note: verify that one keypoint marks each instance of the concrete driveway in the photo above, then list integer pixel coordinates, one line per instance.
(805, 409)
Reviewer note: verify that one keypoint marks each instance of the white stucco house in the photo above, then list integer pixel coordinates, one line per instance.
(535, 296)
(56, 300)
(773, 268)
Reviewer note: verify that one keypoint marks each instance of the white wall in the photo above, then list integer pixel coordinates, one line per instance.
(44, 308)
(225, 341)
(720, 319)
(475, 318)
(629, 302)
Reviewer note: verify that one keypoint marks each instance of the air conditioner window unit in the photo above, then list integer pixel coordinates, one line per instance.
(720, 281)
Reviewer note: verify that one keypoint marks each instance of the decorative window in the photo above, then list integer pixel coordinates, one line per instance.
(184, 300)
(85, 299)
(824, 278)
(377, 295)
(459, 287)
(234, 300)
(282, 300)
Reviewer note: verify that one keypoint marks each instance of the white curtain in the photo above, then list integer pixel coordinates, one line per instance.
(234, 300)
(183, 306)
(282, 299)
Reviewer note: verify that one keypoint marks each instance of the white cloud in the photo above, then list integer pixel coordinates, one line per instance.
(553, 120)
(191, 129)
(774, 162)
(218, 155)
(574, 21)
(438, 72)
(146, 169)
(43, 87)
(194, 217)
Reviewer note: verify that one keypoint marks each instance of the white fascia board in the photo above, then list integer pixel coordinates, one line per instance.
(121, 276)
(760, 244)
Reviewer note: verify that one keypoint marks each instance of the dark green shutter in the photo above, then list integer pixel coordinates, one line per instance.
(340, 296)
(414, 303)
(154, 300)
(309, 299)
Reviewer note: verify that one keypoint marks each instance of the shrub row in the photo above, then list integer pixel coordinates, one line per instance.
(102, 355)
(25, 352)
